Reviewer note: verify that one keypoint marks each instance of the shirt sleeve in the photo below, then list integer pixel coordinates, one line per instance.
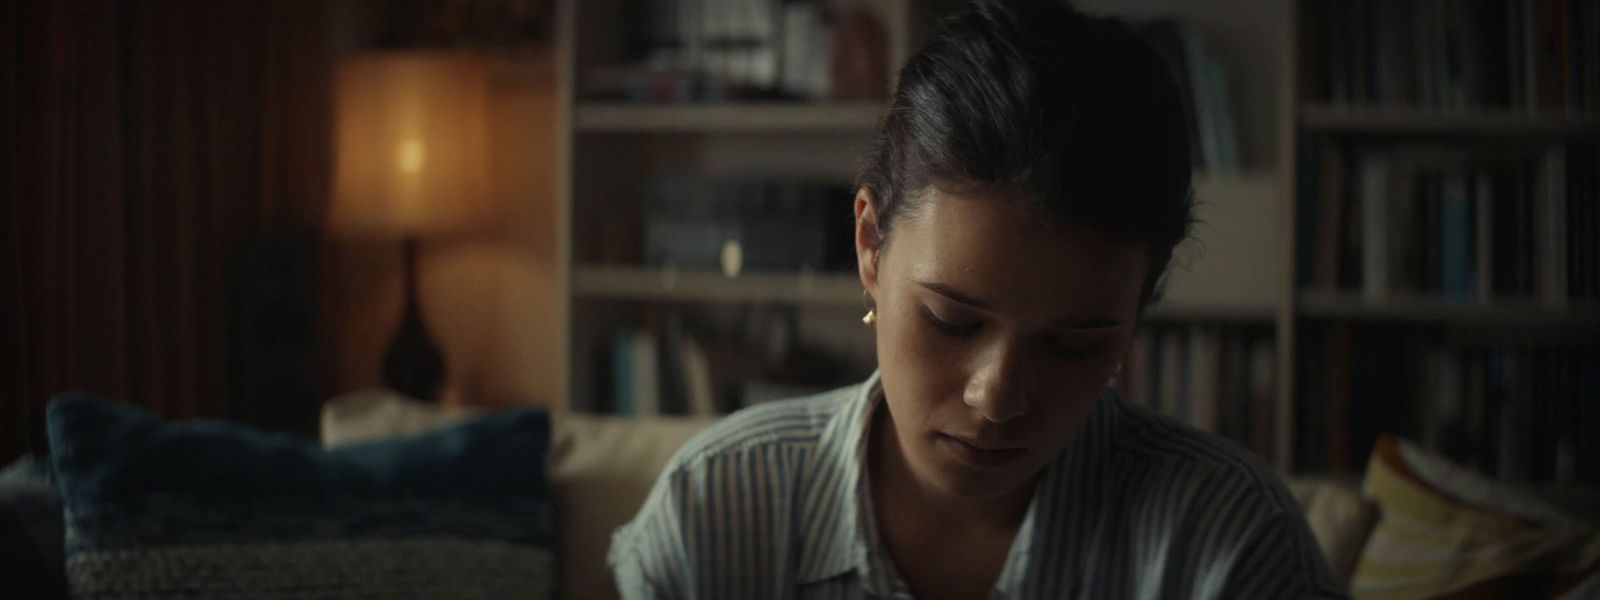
(1281, 561)
(647, 555)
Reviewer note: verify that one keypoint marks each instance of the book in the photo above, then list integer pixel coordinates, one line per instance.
(1552, 227)
(1483, 270)
(622, 374)
(1330, 215)
(1200, 404)
(1340, 411)
(697, 378)
(1262, 381)
(1207, 119)
(645, 364)
(1456, 252)
(1375, 210)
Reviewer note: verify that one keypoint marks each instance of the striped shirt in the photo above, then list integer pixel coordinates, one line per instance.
(770, 503)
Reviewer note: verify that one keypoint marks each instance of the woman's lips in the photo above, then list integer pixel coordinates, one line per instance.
(974, 455)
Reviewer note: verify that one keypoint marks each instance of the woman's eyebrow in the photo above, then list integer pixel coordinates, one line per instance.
(953, 294)
(1085, 323)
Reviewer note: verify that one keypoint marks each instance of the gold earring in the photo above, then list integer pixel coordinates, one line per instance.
(871, 317)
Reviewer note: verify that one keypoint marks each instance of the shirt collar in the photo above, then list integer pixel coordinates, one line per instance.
(1066, 480)
(836, 540)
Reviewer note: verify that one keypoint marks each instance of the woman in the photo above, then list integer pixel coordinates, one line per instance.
(1012, 223)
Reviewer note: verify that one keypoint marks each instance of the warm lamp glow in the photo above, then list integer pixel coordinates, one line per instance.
(413, 156)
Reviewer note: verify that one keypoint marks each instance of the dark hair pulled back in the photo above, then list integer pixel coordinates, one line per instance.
(1032, 99)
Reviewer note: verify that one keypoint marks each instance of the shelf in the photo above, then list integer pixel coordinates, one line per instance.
(834, 290)
(653, 284)
(617, 117)
(1510, 313)
(1327, 118)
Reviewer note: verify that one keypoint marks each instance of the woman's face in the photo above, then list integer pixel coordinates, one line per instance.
(997, 331)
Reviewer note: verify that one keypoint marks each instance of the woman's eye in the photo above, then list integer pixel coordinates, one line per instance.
(951, 327)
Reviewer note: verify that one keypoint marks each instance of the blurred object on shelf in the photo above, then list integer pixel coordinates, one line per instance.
(776, 225)
(742, 50)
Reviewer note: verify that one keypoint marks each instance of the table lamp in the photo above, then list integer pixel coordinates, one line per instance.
(411, 162)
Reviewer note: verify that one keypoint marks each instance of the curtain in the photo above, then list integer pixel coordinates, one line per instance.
(165, 165)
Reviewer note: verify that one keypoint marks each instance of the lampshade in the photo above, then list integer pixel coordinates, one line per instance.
(412, 135)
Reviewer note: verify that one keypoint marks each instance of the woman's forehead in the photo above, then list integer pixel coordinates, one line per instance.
(1014, 252)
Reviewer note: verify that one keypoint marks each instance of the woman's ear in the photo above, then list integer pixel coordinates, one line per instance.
(868, 239)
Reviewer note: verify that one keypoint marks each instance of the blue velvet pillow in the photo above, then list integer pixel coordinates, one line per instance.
(215, 509)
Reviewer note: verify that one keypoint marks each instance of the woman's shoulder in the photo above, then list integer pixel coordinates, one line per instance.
(1171, 451)
(782, 425)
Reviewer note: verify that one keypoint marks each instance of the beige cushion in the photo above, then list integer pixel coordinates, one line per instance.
(1339, 518)
(601, 470)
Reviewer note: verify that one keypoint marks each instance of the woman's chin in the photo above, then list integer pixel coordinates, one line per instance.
(975, 482)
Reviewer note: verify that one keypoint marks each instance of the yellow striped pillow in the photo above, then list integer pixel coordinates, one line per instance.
(1431, 543)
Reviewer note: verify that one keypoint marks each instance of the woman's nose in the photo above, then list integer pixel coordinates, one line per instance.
(998, 387)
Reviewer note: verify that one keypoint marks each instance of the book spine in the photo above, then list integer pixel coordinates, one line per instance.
(622, 373)
(1263, 373)
(1172, 367)
(646, 399)
(1205, 99)
(1552, 228)
(1222, 104)
(1484, 223)
(1202, 401)
(1375, 227)
(1456, 253)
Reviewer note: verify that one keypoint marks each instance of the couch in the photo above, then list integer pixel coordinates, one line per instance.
(602, 467)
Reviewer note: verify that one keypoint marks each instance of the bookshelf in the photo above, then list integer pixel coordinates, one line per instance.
(828, 290)
(1445, 234)
(671, 285)
(1233, 286)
